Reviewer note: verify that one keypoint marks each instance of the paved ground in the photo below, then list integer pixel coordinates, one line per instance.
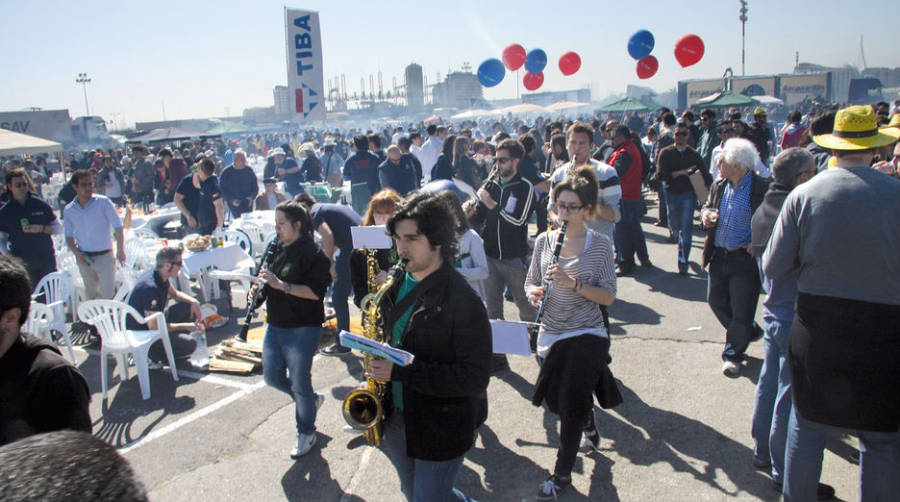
(682, 434)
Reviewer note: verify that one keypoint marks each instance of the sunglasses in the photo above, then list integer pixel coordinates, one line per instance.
(681, 134)
(502, 160)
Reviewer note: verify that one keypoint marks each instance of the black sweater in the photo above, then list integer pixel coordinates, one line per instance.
(302, 263)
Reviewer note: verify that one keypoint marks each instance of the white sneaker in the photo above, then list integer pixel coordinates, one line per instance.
(305, 443)
(731, 369)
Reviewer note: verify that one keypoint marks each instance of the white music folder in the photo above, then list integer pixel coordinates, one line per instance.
(510, 337)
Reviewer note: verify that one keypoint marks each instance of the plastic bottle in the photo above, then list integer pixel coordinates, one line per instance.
(200, 357)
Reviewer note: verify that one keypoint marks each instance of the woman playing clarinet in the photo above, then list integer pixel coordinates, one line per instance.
(573, 341)
(294, 288)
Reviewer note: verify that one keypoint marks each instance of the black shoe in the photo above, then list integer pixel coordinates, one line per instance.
(761, 463)
(335, 350)
(625, 269)
(662, 223)
(646, 263)
(499, 363)
(682, 269)
(823, 491)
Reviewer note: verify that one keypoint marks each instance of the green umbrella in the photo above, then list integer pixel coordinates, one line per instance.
(630, 105)
(725, 98)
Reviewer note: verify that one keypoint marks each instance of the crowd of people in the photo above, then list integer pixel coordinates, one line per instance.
(806, 215)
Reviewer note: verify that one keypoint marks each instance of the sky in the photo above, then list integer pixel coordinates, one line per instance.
(198, 58)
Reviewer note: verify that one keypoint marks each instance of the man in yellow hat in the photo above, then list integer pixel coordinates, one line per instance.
(761, 134)
(839, 234)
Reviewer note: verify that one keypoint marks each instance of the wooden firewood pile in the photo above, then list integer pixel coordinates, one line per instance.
(233, 356)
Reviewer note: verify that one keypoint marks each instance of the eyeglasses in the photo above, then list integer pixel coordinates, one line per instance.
(502, 160)
(571, 208)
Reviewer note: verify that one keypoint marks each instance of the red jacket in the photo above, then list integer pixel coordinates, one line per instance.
(631, 180)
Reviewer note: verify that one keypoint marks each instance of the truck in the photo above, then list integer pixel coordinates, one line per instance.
(57, 125)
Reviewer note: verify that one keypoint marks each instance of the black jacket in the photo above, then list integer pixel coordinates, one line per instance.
(301, 263)
(450, 337)
(506, 226)
(40, 391)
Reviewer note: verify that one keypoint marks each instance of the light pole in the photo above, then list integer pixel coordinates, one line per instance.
(743, 18)
(84, 81)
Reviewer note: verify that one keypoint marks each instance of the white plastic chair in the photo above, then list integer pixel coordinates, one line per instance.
(136, 256)
(109, 316)
(126, 278)
(254, 232)
(57, 290)
(66, 262)
(237, 237)
(38, 322)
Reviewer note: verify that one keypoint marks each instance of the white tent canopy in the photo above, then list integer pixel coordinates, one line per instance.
(567, 105)
(523, 109)
(767, 100)
(14, 143)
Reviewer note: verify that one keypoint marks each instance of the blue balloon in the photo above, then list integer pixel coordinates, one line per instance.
(491, 72)
(640, 45)
(535, 61)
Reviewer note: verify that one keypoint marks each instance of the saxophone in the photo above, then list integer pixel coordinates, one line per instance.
(363, 409)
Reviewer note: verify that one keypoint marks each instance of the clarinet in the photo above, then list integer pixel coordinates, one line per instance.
(556, 250)
(264, 263)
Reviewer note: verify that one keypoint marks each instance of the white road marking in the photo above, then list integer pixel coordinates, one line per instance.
(214, 379)
(192, 417)
(358, 475)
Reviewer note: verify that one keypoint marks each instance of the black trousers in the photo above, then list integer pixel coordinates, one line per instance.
(182, 343)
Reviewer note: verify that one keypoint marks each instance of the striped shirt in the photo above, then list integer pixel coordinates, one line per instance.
(735, 215)
(609, 193)
(567, 313)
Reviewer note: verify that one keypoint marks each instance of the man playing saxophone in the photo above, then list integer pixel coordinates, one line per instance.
(433, 313)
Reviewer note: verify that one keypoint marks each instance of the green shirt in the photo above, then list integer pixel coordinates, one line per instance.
(399, 327)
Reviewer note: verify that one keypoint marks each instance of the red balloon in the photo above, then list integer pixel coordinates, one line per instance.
(533, 81)
(689, 50)
(513, 57)
(647, 66)
(569, 63)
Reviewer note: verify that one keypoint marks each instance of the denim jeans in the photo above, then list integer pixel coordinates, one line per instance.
(663, 205)
(879, 461)
(341, 291)
(420, 480)
(732, 293)
(681, 221)
(293, 350)
(772, 408)
(629, 236)
(508, 272)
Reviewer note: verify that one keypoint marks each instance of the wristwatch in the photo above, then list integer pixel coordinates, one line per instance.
(287, 288)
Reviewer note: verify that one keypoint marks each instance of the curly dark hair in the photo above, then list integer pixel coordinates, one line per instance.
(16, 287)
(434, 220)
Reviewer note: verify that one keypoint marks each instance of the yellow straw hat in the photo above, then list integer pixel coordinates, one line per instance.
(895, 121)
(856, 128)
